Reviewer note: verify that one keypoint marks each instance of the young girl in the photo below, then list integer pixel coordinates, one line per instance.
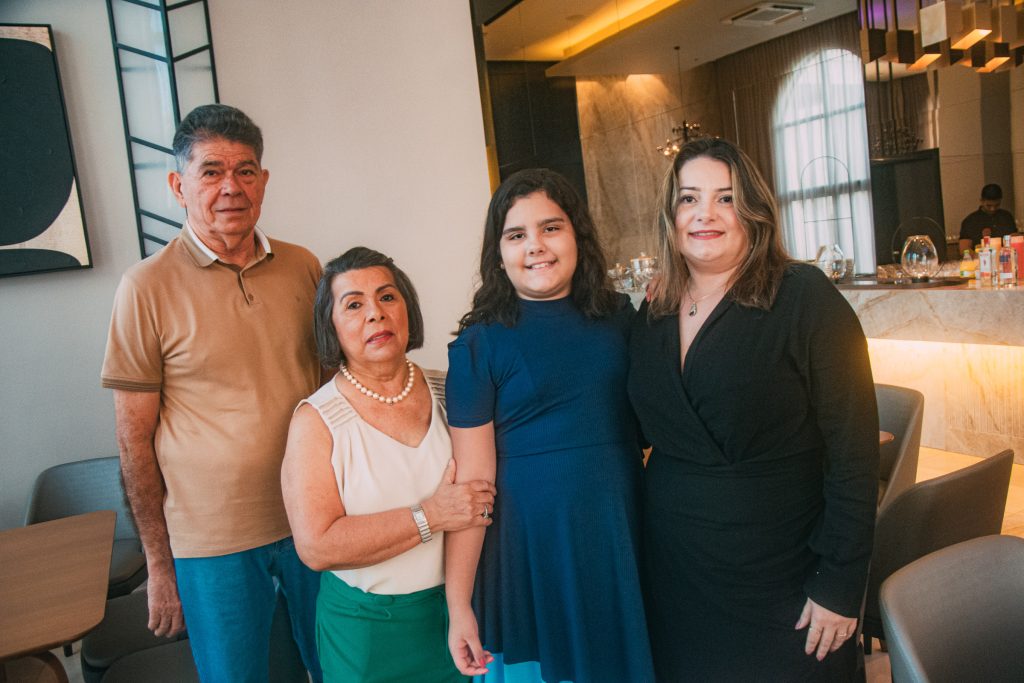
(537, 404)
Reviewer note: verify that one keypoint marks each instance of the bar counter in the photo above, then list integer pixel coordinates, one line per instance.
(964, 313)
(962, 347)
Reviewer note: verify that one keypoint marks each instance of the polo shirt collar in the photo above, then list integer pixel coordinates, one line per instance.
(205, 256)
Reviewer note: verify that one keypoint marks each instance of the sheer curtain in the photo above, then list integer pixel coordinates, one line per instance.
(822, 170)
(788, 102)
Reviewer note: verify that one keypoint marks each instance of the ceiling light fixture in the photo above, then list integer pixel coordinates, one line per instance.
(690, 130)
(977, 23)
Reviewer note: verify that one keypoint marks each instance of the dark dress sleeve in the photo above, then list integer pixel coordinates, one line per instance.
(469, 387)
(842, 396)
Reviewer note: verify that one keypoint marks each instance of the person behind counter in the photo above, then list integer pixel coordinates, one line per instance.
(368, 481)
(988, 221)
(750, 375)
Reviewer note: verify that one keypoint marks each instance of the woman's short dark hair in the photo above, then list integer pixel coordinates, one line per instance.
(760, 274)
(327, 346)
(495, 299)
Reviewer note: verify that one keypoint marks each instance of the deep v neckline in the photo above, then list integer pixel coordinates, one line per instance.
(683, 363)
(363, 420)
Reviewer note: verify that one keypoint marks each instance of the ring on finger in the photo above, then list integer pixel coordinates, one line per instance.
(486, 513)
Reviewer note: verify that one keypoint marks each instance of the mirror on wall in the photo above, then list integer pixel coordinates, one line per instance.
(615, 67)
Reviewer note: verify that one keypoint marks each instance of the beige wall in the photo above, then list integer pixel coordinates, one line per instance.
(373, 132)
(974, 140)
(1017, 143)
(623, 119)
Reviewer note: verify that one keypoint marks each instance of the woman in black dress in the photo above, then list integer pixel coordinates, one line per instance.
(751, 378)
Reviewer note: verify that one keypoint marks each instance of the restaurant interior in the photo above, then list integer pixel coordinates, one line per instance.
(388, 124)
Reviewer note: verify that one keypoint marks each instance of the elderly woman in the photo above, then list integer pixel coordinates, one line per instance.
(368, 481)
(751, 379)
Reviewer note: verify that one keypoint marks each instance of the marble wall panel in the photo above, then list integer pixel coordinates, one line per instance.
(649, 95)
(964, 313)
(608, 162)
(623, 119)
(602, 104)
(698, 85)
(914, 365)
(974, 394)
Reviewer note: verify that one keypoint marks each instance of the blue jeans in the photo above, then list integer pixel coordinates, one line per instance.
(229, 602)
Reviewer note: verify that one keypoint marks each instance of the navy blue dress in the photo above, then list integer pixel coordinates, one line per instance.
(558, 582)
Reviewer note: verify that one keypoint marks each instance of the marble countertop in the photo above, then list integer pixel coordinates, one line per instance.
(963, 313)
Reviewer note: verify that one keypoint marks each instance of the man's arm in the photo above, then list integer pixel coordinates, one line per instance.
(137, 414)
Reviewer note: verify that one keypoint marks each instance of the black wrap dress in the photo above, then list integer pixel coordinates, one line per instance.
(762, 483)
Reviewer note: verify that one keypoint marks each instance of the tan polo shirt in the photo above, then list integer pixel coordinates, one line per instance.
(231, 352)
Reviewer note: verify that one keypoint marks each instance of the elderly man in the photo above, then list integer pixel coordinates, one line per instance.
(210, 349)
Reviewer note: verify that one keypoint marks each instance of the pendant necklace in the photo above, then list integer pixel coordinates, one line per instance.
(389, 400)
(693, 302)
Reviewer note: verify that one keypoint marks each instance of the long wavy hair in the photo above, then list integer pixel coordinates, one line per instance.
(760, 274)
(495, 299)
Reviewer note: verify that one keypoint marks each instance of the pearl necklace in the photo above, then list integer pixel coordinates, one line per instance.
(693, 302)
(389, 400)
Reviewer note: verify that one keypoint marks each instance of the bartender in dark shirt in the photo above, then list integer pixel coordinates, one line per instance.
(988, 221)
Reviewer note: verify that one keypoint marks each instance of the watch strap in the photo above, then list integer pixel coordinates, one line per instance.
(420, 518)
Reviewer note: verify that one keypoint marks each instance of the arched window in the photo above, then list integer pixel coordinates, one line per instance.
(822, 169)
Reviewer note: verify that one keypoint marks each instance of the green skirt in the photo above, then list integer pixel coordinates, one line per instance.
(367, 637)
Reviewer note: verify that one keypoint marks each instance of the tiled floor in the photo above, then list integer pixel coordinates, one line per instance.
(931, 463)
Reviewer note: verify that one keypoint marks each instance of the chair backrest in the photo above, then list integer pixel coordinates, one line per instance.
(901, 412)
(958, 614)
(82, 486)
(937, 513)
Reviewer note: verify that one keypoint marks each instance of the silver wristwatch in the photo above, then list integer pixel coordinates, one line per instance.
(421, 522)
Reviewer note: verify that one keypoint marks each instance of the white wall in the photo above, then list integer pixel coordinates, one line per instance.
(371, 119)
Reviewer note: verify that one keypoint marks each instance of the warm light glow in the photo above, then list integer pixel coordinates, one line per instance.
(616, 25)
(972, 391)
(977, 23)
(970, 38)
(993, 64)
(924, 61)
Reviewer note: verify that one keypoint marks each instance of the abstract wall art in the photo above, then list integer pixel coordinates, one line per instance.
(42, 226)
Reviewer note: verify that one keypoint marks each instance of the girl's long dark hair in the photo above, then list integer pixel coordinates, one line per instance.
(495, 299)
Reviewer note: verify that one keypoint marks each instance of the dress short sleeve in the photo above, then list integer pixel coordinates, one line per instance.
(470, 387)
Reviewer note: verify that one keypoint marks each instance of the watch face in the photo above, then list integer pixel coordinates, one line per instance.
(420, 518)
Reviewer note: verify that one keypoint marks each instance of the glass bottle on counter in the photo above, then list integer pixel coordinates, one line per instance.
(968, 265)
(1007, 266)
(985, 266)
(1017, 242)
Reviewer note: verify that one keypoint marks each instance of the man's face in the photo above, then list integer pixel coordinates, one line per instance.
(221, 190)
(990, 206)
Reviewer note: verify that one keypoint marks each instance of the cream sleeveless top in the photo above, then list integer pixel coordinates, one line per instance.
(375, 473)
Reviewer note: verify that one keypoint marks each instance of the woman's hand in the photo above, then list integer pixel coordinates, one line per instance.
(470, 658)
(828, 630)
(459, 506)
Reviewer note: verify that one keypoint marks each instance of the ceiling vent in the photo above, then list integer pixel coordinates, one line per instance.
(767, 14)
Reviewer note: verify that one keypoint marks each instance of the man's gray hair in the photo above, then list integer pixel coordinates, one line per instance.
(210, 121)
